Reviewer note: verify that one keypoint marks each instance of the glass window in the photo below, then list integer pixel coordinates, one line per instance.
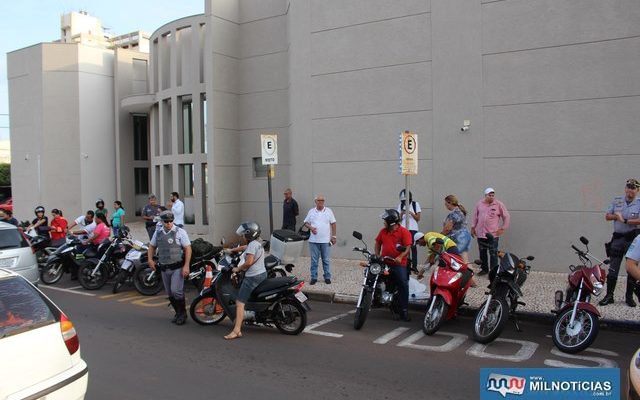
(259, 170)
(140, 138)
(203, 124)
(205, 183)
(141, 180)
(12, 239)
(187, 131)
(186, 180)
(22, 308)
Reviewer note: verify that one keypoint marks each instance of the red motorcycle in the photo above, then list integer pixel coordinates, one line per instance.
(449, 284)
(577, 320)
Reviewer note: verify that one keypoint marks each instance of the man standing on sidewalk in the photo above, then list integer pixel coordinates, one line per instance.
(490, 216)
(149, 213)
(624, 211)
(289, 211)
(177, 209)
(322, 225)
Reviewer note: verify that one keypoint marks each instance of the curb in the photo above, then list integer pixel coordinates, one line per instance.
(610, 324)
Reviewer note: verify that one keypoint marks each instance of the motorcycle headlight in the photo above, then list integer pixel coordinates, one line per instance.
(375, 269)
(455, 277)
(597, 286)
(455, 265)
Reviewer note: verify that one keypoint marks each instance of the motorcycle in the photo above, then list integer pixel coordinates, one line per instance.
(135, 259)
(41, 246)
(97, 270)
(577, 320)
(504, 292)
(276, 301)
(66, 258)
(378, 287)
(448, 286)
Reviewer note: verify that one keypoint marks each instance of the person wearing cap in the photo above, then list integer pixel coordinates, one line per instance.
(389, 238)
(490, 216)
(624, 211)
(430, 239)
(410, 213)
(149, 213)
(174, 257)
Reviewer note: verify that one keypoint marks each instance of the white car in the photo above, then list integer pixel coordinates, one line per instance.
(16, 253)
(39, 345)
(634, 377)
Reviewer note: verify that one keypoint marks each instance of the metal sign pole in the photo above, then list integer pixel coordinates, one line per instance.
(270, 173)
(407, 202)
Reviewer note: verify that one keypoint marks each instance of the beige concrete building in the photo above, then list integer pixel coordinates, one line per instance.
(551, 89)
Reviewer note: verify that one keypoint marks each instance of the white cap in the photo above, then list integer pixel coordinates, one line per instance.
(489, 190)
(417, 236)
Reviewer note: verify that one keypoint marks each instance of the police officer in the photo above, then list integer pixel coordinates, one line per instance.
(174, 257)
(624, 211)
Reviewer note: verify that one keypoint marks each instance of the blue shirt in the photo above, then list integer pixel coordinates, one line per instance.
(629, 211)
(634, 250)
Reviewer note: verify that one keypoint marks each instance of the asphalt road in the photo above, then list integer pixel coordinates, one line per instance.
(134, 352)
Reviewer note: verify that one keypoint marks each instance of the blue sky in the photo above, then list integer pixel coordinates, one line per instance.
(27, 22)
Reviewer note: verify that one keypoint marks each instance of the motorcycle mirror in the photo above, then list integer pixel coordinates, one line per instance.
(572, 267)
(357, 235)
(531, 258)
(584, 240)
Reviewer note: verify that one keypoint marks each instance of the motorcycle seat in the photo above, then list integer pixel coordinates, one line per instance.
(270, 261)
(274, 283)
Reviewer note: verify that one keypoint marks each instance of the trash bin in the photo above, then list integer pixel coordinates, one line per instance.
(286, 245)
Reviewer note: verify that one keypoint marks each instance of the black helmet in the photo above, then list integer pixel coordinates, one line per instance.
(403, 196)
(250, 230)
(99, 201)
(390, 216)
(38, 209)
(166, 216)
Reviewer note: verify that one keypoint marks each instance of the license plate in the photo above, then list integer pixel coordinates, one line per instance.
(8, 262)
(301, 297)
(133, 255)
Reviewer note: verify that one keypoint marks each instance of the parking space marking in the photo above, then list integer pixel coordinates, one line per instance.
(526, 351)
(602, 362)
(310, 328)
(456, 340)
(67, 290)
(75, 287)
(384, 339)
(151, 301)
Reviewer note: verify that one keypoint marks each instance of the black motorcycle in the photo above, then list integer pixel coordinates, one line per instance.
(97, 270)
(276, 301)
(504, 293)
(42, 248)
(378, 286)
(69, 257)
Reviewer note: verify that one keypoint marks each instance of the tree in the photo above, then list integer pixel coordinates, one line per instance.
(5, 174)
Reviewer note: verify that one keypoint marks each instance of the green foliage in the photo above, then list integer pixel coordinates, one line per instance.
(5, 174)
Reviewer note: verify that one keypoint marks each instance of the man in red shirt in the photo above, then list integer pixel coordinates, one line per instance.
(58, 228)
(388, 238)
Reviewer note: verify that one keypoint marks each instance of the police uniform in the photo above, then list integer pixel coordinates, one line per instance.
(170, 250)
(623, 235)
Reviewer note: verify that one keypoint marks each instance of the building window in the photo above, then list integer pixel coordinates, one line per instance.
(140, 138)
(186, 145)
(205, 196)
(203, 124)
(186, 180)
(259, 170)
(141, 176)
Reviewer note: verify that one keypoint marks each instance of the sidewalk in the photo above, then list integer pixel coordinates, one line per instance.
(538, 290)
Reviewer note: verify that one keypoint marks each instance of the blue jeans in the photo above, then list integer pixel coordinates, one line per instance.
(401, 279)
(320, 250)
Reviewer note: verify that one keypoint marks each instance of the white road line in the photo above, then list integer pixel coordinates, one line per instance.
(603, 352)
(66, 290)
(384, 339)
(526, 351)
(310, 328)
(602, 362)
(456, 340)
(75, 287)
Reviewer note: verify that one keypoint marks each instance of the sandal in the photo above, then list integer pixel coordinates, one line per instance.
(233, 335)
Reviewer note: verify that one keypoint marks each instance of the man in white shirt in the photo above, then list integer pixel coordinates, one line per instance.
(177, 209)
(322, 225)
(86, 224)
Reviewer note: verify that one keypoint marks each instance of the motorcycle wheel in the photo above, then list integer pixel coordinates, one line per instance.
(290, 317)
(51, 274)
(487, 330)
(206, 311)
(363, 310)
(577, 338)
(145, 286)
(120, 280)
(92, 282)
(433, 320)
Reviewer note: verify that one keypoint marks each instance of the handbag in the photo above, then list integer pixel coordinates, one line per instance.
(304, 232)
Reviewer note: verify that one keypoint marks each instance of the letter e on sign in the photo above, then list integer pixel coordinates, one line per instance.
(269, 148)
(409, 153)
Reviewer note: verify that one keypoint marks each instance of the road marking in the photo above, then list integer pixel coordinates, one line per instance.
(67, 290)
(456, 340)
(75, 287)
(384, 339)
(130, 297)
(602, 362)
(151, 301)
(310, 328)
(524, 353)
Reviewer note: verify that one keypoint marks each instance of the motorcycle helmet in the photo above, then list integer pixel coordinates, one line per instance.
(390, 216)
(98, 202)
(403, 195)
(38, 209)
(250, 230)
(166, 216)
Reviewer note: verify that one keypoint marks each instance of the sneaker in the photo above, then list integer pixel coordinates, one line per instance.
(327, 281)
(313, 282)
(483, 272)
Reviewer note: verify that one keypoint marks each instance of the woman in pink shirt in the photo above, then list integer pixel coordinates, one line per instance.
(490, 216)
(101, 232)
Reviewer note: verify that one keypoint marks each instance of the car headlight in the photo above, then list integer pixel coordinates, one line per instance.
(455, 265)
(375, 269)
(455, 277)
